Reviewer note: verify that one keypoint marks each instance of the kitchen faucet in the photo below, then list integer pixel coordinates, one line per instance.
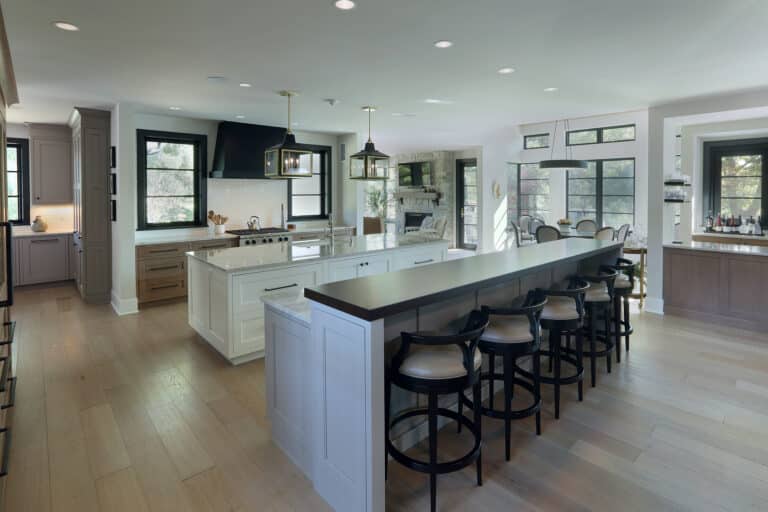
(254, 223)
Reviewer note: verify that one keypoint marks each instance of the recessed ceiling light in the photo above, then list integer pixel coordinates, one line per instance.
(174, 108)
(245, 84)
(403, 114)
(63, 25)
(550, 89)
(435, 101)
(239, 116)
(506, 71)
(443, 44)
(344, 5)
(217, 78)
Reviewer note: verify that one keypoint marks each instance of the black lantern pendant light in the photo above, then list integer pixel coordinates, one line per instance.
(566, 163)
(369, 164)
(288, 159)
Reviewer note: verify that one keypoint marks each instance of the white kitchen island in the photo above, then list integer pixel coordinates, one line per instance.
(226, 287)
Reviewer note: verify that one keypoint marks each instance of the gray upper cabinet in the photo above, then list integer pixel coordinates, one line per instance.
(51, 164)
(93, 225)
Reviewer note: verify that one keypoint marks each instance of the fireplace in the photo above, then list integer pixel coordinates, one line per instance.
(414, 219)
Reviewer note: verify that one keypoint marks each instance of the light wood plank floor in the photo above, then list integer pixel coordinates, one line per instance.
(137, 413)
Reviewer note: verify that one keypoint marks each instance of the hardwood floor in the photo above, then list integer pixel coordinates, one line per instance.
(137, 413)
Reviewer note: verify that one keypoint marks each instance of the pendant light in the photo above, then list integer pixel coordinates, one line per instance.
(369, 164)
(288, 159)
(566, 163)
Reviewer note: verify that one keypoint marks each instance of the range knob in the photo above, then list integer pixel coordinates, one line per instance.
(271, 240)
(263, 240)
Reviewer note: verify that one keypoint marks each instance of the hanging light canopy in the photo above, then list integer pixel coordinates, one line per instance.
(288, 159)
(369, 164)
(566, 163)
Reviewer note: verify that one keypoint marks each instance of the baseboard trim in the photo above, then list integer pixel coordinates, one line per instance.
(655, 306)
(124, 306)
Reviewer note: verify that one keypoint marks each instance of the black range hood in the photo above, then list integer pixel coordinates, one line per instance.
(240, 149)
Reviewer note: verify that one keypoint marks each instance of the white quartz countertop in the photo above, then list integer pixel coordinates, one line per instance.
(294, 305)
(730, 248)
(730, 236)
(25, 231)
(171, 238)
(238, 259)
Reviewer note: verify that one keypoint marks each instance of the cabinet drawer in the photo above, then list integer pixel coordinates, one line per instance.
(250, 288)
(162, 267)
(417, 257)
(161, 289)
(161, 251)
(207, 245)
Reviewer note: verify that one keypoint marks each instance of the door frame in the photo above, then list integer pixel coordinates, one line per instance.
(460, 164)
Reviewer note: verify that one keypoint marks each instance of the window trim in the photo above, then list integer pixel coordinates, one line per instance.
(201, 192)
(712, 171)
(599, 189)
(24, 181)
(526, 137)
(600, 135)
(326, 186)
(519, 188)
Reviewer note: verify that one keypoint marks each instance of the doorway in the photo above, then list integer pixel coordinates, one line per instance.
(466, 204)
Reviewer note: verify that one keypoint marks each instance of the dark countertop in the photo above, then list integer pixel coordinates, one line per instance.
(374, 297)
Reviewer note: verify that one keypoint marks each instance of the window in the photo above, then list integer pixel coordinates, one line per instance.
(600, 135)
(734, 177)
(533, 186)
(310, 198)
(603, 192)
(17, 169)
(171, 179)
(537, 141)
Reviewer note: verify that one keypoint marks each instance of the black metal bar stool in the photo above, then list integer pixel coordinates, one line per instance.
(599, 299)
(562, 315)
(512, 333)
(438, 365)
(623, 286)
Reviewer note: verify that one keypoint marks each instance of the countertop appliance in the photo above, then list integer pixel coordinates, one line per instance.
(261, 236)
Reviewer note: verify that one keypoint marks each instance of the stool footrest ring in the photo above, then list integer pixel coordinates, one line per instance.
(513, 414)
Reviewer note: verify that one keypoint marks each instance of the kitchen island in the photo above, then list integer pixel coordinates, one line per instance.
(225, 287)
(326, 356)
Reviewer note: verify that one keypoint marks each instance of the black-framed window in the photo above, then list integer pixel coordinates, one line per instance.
(603, 135)
(310, 198)
(603, 192)
(536, 141)
(17, 172)
(171, 179)
(735, 178)
(533, 192)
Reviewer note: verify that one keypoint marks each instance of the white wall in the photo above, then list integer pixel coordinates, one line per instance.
(637, 149)
(497, 153)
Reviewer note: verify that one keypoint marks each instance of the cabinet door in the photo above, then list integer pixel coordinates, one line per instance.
(45, 259)
(51, 171)
(341, 270)
(374, 265)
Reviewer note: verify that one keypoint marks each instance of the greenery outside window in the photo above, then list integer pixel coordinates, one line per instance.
(603, 192)
(537, 141)
(622, 133)
(17, 173)
(310, 198)
(533, 197)
(171, 179)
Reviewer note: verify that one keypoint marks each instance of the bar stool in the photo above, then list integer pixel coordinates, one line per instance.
(438, 365)
(563, 314)
(599, 299)
(512, 333)
(623, 286)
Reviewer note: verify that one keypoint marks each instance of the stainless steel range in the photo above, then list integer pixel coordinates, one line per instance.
(261, 236)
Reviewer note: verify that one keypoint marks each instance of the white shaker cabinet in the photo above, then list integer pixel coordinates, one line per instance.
(353, 268)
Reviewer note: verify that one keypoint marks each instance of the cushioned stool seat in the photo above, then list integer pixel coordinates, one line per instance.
(508, 329)
(622, 281)
(560, 308)
(597, 292)
(439, 362)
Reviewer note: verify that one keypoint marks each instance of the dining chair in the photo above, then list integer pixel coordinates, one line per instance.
(515, 230)
(547, 234)
(535, 224)
(623, 233)
(525, 223)
(605, 233)
(586, 225)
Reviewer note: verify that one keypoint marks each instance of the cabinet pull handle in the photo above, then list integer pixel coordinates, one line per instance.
(164, 287)
(430, 260)
(220, 246)
(11, 395)
(46, 241)
(6, 451)
(167, 267)
(280, 287)
(157, 251)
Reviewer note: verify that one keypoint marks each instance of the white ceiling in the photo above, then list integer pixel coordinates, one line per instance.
(603, 55)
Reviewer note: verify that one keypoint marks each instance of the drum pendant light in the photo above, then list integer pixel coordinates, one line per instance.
(566, 163)
(288, 159)
(369, 164)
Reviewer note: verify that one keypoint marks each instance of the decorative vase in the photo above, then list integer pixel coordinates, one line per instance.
(39, 225)
(220, 229)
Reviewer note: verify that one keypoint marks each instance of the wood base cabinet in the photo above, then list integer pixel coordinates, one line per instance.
(42, 259)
